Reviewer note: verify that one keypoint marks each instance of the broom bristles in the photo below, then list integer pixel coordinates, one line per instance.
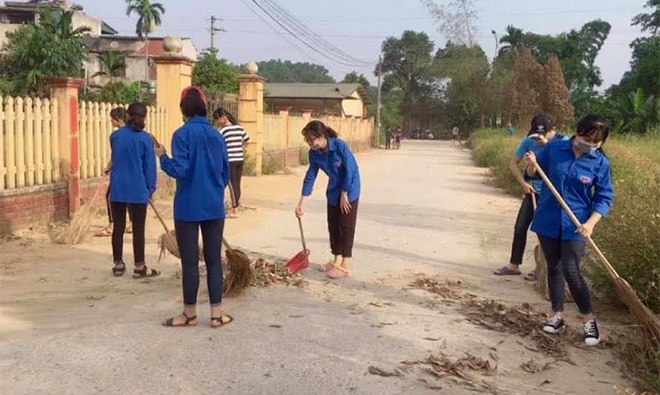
(240, 273)
(78, 229)
(167, 243)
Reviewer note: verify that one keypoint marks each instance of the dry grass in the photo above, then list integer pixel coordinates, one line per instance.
(78, 229)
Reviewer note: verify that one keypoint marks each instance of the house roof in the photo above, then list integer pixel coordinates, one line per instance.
(131, 45)
(315, 91)
(155, 48)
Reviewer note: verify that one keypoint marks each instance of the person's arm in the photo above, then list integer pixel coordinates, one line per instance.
(246, 137)
(177, 166)
(602, 199)
(308, 185)
(542, 160)
(515, 169)
(149, 167)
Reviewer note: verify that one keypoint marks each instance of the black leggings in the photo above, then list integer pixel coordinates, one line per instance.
(187, 236)
(138, 214)
(235, 172)
(524, 219)
(107, 202)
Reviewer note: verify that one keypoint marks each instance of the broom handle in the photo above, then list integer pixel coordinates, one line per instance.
(302, 234)
(534, 201)
(227, 246)
(159, 217)
(608, 266)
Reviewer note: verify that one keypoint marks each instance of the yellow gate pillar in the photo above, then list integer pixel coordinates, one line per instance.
(250, 112)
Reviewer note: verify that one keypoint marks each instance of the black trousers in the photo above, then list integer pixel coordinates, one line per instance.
(107, 202)
(138, 214)
(563, 259)
(388, 142)
(236, 173)
(342, 229)
(187, 236)
(523, 221)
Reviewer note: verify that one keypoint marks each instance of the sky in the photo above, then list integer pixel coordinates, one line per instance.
(358, 27)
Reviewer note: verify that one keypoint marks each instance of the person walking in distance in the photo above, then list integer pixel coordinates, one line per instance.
(455, 136)
(235, 138)
(397, 138)
(132, 183)
(334, 157)
(541, 132)
(388, 138)
(581, 172)
(200, 165)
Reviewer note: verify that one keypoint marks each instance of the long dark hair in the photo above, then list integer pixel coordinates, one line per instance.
(593, 124)
(137, 113)
(221, 112)
(316, 129)
(119, 113)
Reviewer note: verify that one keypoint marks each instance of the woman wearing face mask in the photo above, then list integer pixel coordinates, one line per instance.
(580, 171)
(334, 157)
(541, 132)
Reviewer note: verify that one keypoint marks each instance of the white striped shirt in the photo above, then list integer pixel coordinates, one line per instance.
(235, 136)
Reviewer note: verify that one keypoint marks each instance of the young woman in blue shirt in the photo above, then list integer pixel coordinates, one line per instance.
(581, 172)
(200, 165)
(541, 132)
(334, 157)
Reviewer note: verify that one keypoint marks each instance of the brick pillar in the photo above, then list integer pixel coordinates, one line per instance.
(307, 114)
(251, 113)
(173, 74)
(65, 91)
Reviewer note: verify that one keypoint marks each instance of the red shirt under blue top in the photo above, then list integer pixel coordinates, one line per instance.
(585, 183)
(339, 164)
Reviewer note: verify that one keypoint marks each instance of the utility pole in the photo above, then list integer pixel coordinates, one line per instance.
(380, 77)
(497, 43)
(214, 31)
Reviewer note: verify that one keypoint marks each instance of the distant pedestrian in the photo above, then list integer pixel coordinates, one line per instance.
(132, 183)
(200, 165)
(455, 136)
(581, 172)
(235, 137)
(334, 157)
(388, 138)
(510, 130)
(397, 138)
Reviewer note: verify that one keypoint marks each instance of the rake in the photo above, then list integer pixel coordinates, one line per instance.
(625, 291)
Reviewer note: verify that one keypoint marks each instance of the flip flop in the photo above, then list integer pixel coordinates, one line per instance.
(327, 267)
(189, 321)
(505, 271)
(336, 273)
(145, 273)
(103, 233)
(219, 319)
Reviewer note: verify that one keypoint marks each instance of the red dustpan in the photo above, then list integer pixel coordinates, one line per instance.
(301, 260)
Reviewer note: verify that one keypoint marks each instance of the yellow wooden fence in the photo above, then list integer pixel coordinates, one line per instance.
(29, 142)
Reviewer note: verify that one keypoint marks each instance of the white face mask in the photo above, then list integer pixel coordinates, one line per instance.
(585, 147)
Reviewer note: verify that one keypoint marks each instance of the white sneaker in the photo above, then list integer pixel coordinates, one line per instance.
(554, 325)
(591, 333)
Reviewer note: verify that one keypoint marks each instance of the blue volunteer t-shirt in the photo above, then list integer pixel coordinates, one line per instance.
(528, 144)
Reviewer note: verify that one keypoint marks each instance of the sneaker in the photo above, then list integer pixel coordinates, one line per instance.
(554, 325)
(591, 333)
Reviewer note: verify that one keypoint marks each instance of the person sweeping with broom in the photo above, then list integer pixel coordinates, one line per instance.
(334, 157)
(581, 173)
(200, 165)
(132, 182)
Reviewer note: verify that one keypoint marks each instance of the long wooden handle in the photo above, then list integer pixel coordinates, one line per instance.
(534, 201)
(227, 246)
(302, 234)
(608, 266)
(159, 217)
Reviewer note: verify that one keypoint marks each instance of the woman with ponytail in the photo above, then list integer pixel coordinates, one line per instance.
(132, 182)
(334, 157)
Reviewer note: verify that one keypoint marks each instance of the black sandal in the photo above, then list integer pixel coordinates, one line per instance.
(119, 271)
(145, 273)
(222, 323)
(189, 321)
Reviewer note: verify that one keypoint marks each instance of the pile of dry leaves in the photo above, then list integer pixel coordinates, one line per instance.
(445, 289)
(267, 273)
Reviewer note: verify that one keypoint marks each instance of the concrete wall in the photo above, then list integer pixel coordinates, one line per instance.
(353, 108)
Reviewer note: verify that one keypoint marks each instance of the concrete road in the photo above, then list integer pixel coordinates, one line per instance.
(68, 327)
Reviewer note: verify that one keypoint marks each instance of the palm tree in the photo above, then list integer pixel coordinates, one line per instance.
(512, 40)
(149, 17)
(115, 64)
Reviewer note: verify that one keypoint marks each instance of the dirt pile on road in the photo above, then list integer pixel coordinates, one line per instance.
(267, 273)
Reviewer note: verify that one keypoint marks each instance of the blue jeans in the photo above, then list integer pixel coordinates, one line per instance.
(563, 259)
(187, 237)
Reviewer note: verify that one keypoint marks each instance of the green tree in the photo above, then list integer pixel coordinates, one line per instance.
(354, 78)
(52, 48)
(114, 64)
(512, 40)
(149, 18)
(407, 65)
(215, 75)
(637, 113)
(276, 70)
(649, 22)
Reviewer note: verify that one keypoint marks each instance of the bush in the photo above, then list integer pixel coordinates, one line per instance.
(304, 156)
(629, 235)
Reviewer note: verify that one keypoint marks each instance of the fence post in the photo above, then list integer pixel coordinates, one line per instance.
(251, 111)
(65, 91)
